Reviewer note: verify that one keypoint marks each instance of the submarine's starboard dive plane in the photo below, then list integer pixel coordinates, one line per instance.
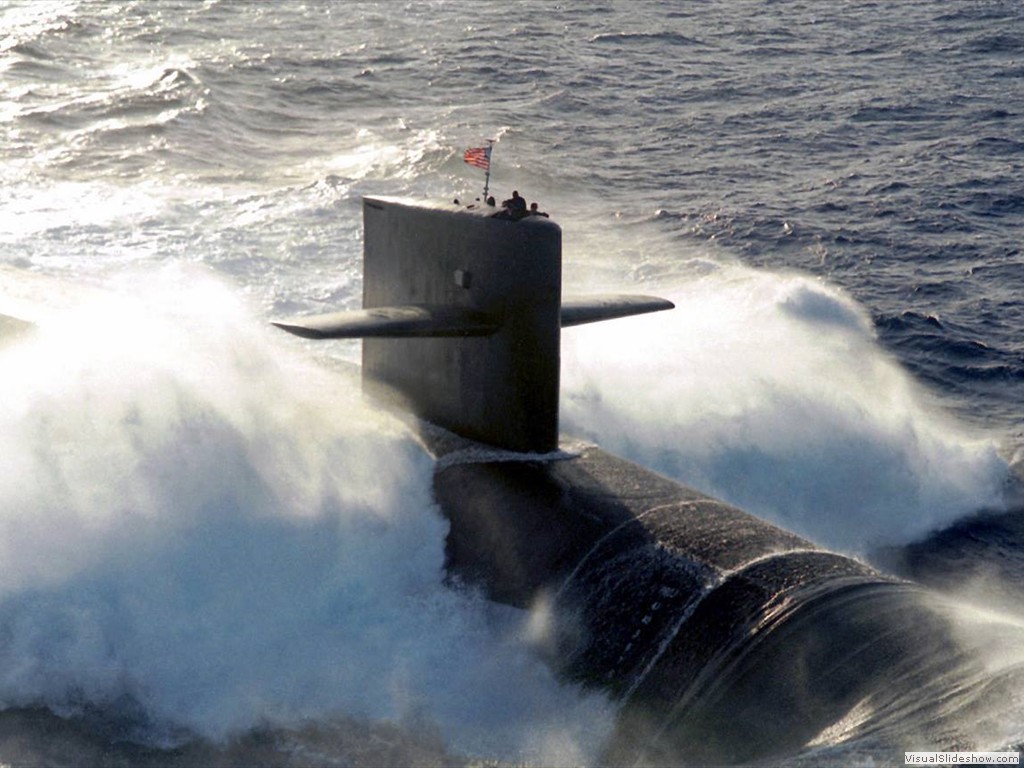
(725, 638)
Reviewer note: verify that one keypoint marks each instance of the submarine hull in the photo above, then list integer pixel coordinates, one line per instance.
(724, 638)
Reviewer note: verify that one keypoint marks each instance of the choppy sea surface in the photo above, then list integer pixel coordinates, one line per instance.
(208, 542)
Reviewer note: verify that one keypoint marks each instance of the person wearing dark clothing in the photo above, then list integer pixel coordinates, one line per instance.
(516, 204)
(515, 208)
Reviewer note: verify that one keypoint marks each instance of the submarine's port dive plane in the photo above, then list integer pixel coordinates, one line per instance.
(725, 638)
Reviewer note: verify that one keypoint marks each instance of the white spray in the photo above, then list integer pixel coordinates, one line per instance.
(196, 520)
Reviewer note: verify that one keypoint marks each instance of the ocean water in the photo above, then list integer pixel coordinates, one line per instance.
(208, 539)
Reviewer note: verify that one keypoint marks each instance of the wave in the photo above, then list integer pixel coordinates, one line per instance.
(770, 391)
(117, 128)
(203, 534)
(996, 43)
(659, 38)
(28, 27)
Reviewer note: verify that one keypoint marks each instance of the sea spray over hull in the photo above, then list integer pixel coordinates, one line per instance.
(201, 558)
(729, 618)
(725, 638)
(770, 391)
(698, 617)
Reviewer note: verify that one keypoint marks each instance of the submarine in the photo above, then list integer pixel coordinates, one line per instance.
(723, 638)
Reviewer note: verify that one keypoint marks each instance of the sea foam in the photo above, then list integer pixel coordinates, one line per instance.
(202, 532)
(770, 390)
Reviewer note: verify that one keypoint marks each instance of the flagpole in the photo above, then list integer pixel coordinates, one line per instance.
(487, 178)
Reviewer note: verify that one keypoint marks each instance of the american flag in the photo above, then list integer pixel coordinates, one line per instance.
(478, 157)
